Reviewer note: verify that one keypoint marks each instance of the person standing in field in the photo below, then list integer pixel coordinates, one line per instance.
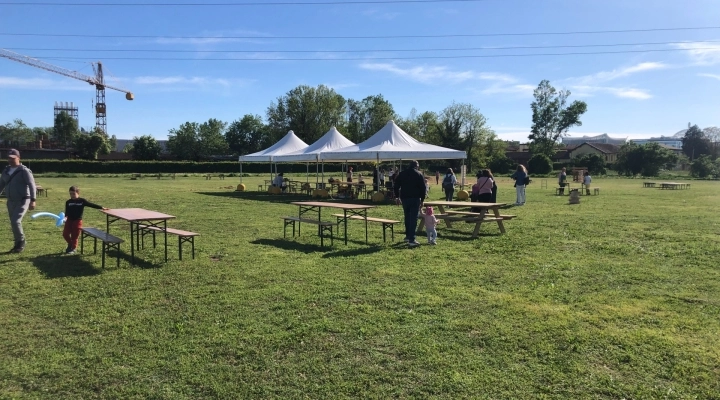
(448, 184)
(410, 192)
(437, 177)
(18, 183)
(562, 180)
(520, 177)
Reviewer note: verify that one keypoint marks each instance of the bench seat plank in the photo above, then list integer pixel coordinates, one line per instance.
(109, 242)
(183, 236)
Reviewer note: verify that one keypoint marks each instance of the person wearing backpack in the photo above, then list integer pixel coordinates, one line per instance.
(521, 179)
(449, 183)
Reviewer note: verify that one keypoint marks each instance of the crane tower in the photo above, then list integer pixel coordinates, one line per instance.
(98, 81)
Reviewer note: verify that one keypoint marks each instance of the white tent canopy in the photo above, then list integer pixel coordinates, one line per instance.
(391, 143)
(332, 140)
(288, 144)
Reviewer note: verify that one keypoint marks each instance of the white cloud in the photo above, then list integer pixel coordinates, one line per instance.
(622, 92)
(182, 83)
(423, 74)
(438, 75)
(714, 76)
(525, 90)
(702, 53)
(605, 76)
(207, 38)
(42, 83)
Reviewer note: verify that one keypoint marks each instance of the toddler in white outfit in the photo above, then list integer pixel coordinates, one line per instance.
(430, 225)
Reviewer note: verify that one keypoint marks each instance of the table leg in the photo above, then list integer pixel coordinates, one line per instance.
(366, 228)
(496, 211)
(345, 213)
(165, 231)
(132, 245)
(447, 222)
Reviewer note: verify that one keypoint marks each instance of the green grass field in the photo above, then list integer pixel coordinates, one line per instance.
(618, 297)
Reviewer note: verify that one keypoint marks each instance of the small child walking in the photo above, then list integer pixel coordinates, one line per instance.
(430, 225)
(74, 208)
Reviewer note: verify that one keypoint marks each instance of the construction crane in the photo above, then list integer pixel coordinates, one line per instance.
(98, 80)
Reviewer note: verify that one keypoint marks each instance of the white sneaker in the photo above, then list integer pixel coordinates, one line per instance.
(414, 243)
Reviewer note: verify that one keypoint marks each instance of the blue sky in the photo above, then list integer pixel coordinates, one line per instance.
(634, 94)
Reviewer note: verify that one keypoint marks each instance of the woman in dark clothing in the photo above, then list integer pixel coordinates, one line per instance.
(494, 187)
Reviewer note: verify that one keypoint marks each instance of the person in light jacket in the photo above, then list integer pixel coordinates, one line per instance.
(18, 183)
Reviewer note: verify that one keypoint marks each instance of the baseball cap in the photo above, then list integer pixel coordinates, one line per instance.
(13, 153)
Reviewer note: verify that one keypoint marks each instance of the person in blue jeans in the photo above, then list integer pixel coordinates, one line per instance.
(409, 191)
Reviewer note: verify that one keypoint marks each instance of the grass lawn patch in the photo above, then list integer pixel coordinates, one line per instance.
(617, 297)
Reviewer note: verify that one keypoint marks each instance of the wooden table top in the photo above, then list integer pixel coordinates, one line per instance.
(137, 214)
(463, 204)
(344, 206)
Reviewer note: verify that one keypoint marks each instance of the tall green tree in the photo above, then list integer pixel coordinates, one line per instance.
(307, 111)
(183, 141)
(695, 143)
(422, 127)
(463, 127)
(16, 133)
(145, 148)
(366, 117)
(645, 160)
(552, 117)
(248, 135)
(65, 130)
(88, 145)
(193, 141)
(211, 138)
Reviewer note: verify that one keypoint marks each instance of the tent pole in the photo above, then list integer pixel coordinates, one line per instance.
(240, 172)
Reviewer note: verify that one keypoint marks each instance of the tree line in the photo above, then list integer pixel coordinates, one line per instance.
(65, 134)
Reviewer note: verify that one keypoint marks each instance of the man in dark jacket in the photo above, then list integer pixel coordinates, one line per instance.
(19, 185)
(410, 192)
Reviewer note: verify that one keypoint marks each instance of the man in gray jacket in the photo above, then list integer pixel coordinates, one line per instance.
(19, 185)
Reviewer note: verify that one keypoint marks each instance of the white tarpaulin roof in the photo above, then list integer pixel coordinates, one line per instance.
(391, 143)
(288, 144)
(332, 140)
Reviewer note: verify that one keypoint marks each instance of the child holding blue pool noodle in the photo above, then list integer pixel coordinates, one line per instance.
(74, 208)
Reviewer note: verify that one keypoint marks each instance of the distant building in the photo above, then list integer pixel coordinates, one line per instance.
(674, 141)
(607, 151)
(600, 139)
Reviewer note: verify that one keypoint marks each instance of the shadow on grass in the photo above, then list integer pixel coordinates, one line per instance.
(354, 252)
(61, 266)
(289, 244)
(280, 198)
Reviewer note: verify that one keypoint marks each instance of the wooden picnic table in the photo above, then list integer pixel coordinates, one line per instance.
(674, 185)
(479, 217)
(348, 211)
(137, 216)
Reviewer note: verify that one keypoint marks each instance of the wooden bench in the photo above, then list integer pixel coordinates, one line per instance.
(649, 184)
(386, 223)
(183, 236)
(135, 176)
(39, 191)
(470, 213)
(109, 242)
(322, 227)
